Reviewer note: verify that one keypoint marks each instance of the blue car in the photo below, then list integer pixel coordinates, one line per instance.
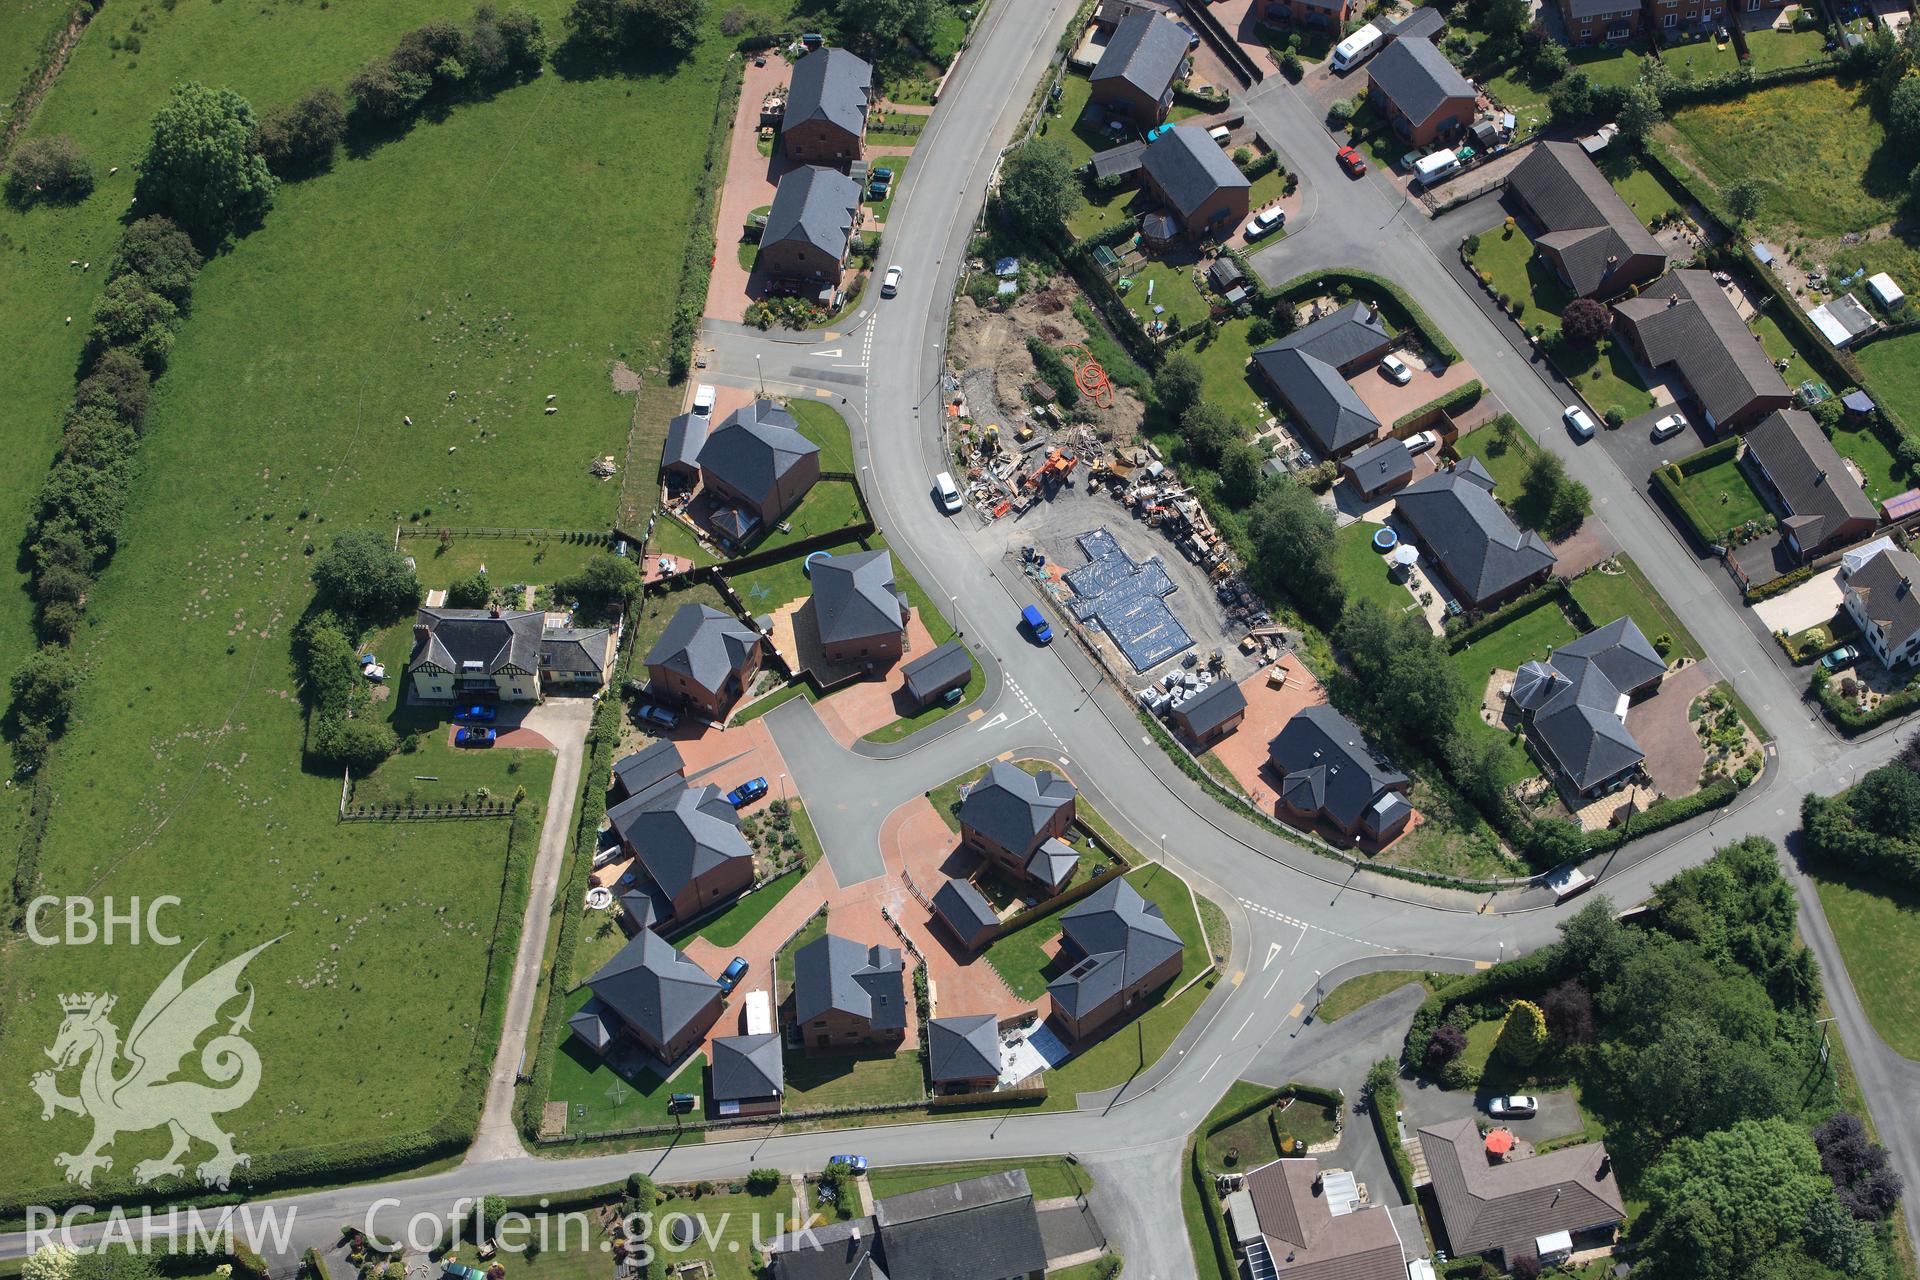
(474, 737)
(747, 792)
(478, 713)
(1036, 625)
(852, 1164)
(730, 976)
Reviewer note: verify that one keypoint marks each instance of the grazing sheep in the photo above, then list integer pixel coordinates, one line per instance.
(553, 409)
(407, 418)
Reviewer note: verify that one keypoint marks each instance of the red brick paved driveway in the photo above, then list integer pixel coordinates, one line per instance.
(1268, 709)
(855, 710)
(1660, 725)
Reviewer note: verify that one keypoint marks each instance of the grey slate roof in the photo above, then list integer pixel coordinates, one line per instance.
(980, 1229)
(1417, 78)
(648, 767)
(1120, 937)
(686, 435)
(1586, 220)
(1290, 1204)
(836, 973)
(854, 597)
(939, 668)
(575, 651)
(1381, 464)
(1213, 706)
(653, 987)
(1810, 475)
(1011, 807)
(1053, 862)
(594, 1023)
(747, 1068)
(680, 835)
(1329, 766)
(815, 205)
(830, 1251)
(702, 642)
(754, 446)
(963, 1048)
(1189, 167)
(1224, 273)
(1145, 50)
(1483, 550)
(964, 908)
(1506, 1206)
(1424, 22)
(1304, 367)
(1885, 587)
(1683, 319)
(1576, 700)
(831, 85)
(455, 637)
(1120, 160)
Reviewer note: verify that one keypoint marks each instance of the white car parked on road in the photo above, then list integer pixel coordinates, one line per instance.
(1578, 422)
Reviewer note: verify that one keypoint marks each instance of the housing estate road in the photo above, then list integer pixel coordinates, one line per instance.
(1298, 917)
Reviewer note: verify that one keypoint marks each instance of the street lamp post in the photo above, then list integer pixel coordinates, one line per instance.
(760, 375)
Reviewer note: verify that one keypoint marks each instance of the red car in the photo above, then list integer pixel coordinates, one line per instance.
(1352, 161)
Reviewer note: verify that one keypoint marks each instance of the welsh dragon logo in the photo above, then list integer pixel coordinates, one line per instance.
(146, 1094)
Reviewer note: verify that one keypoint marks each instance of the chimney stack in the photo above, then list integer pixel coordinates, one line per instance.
(421, 631)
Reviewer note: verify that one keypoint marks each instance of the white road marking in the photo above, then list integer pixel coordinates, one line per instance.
(1284, 918)
(993, 723)
(1297, 941)
(1243, 1025)
(830, 351)
(1210, 1067)
(1271, 985)
(1273, 953)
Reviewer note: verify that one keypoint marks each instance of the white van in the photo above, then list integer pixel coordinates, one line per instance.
(1428, 170)
(1358, 47)
(703, 397)
(946, 492)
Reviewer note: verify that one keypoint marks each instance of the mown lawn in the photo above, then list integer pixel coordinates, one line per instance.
(1506, 461)
(1877, 925)
(1646, 193)
(307, 344)
(1893, 366)
(821, 423)
(1363, 570)
(1821, 159)
(600, 1098)
(1356, 993)
(1228, 381)
(1173, 291)
(852, 1079)
(1050, 1179)
(1721, 496)
(1606, 596)
(1528, 636)
(1781, 346)
(1885, 476)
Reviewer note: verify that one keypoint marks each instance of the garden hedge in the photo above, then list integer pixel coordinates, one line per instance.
(1384, 1105)
(1460, 398)
(1398, 305)
(1850, 719)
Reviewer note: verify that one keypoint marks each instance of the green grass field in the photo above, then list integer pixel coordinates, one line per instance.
(1821, 159)
(1893, 365)
(1363, 571)
(1878, 928)
(1049, 1179)
(852, 1079)
(1228, 381)
(1607, 596)
(307, 344)
(1506, 461)
(1721, 497)
(1885, 476)
(1780, 345)
(1356, 993)
(1174, 291)
(1527, 636)
(1645, 192)
(532, 560)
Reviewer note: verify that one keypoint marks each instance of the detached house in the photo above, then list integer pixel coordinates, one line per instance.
(1575, 700)
(1594, 242)
(511, 655)
(1821, 504)
(861, 615)
(963, 1054)
(1015, 820)
(1328, 772)
(1323, 15)
(1592, 21)
(756, 466)
(747, 1076)
(1308, 371)
(985, 1228)
(809, 229)
(1880, 597)
(846, 994)
(1684, 322)
(1425, 98)
(1543, 1205)
(1293, 1220)
(1134, 78)
(651, 995)
(1484, 556)
(1121, 948)
(826, 117)
(705, 659)
(688, 840)
(1197, 181)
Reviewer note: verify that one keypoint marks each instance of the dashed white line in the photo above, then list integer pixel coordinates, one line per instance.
(1304, 925)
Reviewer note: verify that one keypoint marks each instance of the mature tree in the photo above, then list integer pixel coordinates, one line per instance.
(1208, 431)
(1639, 112)
(1550, 63)
(162, 255)
(1523, 1033)
(130, 315)
(1835, 1237)
(1756, 1180)
(120, 384)
(883, 23)
(48, 169)
(1292, 538)
(1240, 473)
(436, 50)
(1692, 1078)
(1447, 1043)
(640, 26)
(1857, 1165)
(1478, 763)
(50, 1262)
(523, 40)
(1178, 383)
(1550, 499)
(1583, 321)
(385, 94)
(1038, 189)
(471, 592)
(43, 686)
(1508, 18)
(1571, 100)
(1887, 801)
(1743, 199)
(1570, 1014)
(604, 583)
(1525, 1267)
(364, 576)
(1594, 943)
(302, 138)
(1400, 669)
(201, 167)
(1903, 108)
(358, 745)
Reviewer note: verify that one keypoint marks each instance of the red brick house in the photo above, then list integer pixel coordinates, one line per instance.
(1423, 95)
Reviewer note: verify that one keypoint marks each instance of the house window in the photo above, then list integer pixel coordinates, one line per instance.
(1670, 18)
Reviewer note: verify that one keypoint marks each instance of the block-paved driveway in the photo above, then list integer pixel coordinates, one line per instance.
(751, 181)
(855, 710)
(1244, 751)
(1660, 725)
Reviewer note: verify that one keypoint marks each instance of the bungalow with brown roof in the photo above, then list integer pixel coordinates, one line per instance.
(1821, 505)
(1295, 1221)
(1684, 322)
(1592, 239)
(1505, 1208)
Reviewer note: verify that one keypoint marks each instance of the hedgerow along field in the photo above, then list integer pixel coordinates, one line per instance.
(510, 251)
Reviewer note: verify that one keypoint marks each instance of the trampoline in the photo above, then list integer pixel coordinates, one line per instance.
(806, 566)
(1385, 539)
